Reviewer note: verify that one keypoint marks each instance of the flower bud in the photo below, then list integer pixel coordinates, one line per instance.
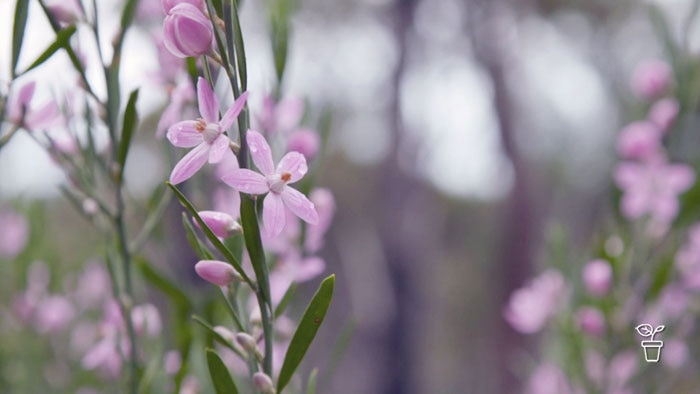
(263, 383)
(169, 4)
(590, 320)
(216, 272)
(304, 141)
(651, 79)
(146, 319)
(249, 344)
(597, 277)
(65, 12)
(221, 224)
(225, 333)
(663, 113)
(188, 32)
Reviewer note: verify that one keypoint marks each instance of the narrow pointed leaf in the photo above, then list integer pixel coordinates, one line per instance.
(20, 22)
(305, 333)
(282, 306)
(128, 127)
(220, 377)
(213, 333)
(160, 282)
(61, 41)
(199, 248)
(210, 235)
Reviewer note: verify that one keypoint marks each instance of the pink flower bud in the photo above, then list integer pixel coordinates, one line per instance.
(172, 361)
(263, 383)
(639, 140)
(304, 141)
(221, 224)
(146, 319)
(590, 320)
(651, 79)
(14, 235)
(225, 333)
(188, 32)
(663, 113)
(169, 4)
(65, 12)
(597, 277)
(216, 272)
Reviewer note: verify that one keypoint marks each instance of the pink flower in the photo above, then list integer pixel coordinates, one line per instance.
(651, 79)
(325, 206)
(663, 113)
(205, 134)
(639, 140)
(65, 12)
(652, 188)
(20, 111)
(282, 116)
(597, 277)
(274, 182)
(548, 379)
(53, 314)
(146, 319)
(688, 259)
(304, 141)
(216, 272)
(530, 307)
(221, 224)
(14, 235)
(180, 99)
(590, 320)
(188, 32)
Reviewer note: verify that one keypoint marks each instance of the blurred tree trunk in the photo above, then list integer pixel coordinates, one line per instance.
(489, 23)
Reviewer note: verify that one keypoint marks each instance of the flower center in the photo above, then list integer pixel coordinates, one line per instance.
(277, 182)
(209, 131)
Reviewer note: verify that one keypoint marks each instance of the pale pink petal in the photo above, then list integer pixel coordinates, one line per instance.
(246, 181)
(232, 113)
(190, 164)
(665, 208)
(300, 205)
(208, 103)
(309, 268)
(273, 214)
(289, 113)
(679, 177)
(628, 174)
(634, 205)
(293, 163)
(218, 149)
(260, 151)
(45, 117)
(21, 102)
(184, 134)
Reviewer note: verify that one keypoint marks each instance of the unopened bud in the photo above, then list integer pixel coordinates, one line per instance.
(225, 333)
(216, 272)
(263, 383)
(249, 344)
(221, 224)
(591, 321)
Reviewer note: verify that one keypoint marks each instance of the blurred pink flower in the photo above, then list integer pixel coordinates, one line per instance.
(676, 353)
(280, 117)
(530, 307)
(549, 379)
(188, 31)
(53, 314)
(664, 113)
(688, 259)
(273, 181)
(652, 188)
(20, 111)
(14, 235)
(651, 79)
(172, 361)
(590, 320)
(205, 134)
(325, 206)
(180, 99)
(146, 320)
(65, 12)
(305, 141)
(597, 277)
(639, 140)
(621, 369)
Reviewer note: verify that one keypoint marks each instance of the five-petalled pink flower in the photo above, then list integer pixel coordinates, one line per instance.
(274, 182)
(206, 134)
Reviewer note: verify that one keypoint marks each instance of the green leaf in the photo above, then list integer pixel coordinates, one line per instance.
(20, 22)
(239, 46)
(311, 386)
(61, 41)
(220, 377)
(128, 127)
(199, 248)
(128, 15)
(305, 333)
(210, 235)
(160, 282)
(251, 234)
(282, 306)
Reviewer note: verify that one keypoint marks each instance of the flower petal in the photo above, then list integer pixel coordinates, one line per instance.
(300, 205)
(218, 149)
(208, 104)
(679, 177)
(295, 164)
(260, 151)
(246, 181)
(273, 215)
(232, 113)
(184, 134)
(190, 164)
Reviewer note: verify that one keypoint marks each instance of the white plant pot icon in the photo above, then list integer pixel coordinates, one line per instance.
(652, 350)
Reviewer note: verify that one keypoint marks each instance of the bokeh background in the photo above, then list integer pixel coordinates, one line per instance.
(463, 136)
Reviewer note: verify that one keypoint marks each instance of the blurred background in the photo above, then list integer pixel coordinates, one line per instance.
(463, 134)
